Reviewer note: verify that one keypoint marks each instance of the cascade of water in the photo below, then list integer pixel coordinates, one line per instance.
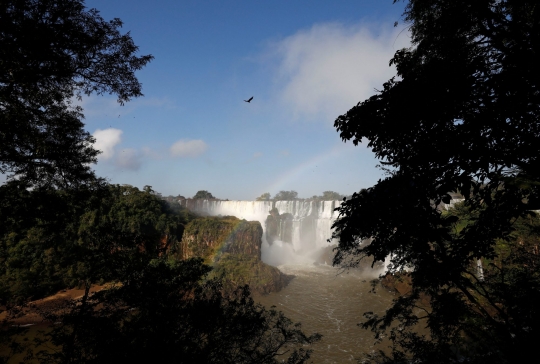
(311, 221)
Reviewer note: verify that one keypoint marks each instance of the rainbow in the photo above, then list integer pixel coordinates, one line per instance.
(294, 173)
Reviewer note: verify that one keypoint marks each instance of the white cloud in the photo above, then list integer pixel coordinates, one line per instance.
(188, 148)
(129, 159)
(325, 70)
(106, 140)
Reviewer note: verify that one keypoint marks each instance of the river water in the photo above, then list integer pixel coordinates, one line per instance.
(331, 302)
(323, 300)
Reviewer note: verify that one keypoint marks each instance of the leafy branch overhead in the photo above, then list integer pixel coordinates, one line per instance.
(461, 115)
(51, 52)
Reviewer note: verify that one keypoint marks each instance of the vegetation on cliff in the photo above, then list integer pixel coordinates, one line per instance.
(240, 269)
(53, 239)
(233, 247)
(209, 237)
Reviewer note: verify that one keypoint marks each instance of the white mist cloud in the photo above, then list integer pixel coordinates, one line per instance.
(188, 148)
(106, 140)
(325, 70)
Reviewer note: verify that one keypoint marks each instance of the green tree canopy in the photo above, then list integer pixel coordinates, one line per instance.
(286, 196)
(88, 240)
(331, 196)
(203, 195)
(51, 51)
(462, 115)
(264, 197)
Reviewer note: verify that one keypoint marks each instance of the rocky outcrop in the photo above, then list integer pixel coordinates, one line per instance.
(210, 237)
(233, 247)
(240, 269)
(279, 227)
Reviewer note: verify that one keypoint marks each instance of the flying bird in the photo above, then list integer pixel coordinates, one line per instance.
(251, 98)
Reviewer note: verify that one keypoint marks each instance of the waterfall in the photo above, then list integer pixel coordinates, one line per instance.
(311, 222)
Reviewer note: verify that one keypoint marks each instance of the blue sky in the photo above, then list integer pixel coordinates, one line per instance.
(304, 62)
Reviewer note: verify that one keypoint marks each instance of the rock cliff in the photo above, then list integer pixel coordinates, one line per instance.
(233, 247)
(279, 227)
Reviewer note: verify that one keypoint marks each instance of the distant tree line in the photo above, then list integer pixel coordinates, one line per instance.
(280, 196)
(293, 195)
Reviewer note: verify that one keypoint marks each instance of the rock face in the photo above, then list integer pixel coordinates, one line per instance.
(209, 237)
(279, 227)
(233, 247)
(241, 269)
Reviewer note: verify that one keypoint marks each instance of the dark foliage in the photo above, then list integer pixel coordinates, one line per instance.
(165, 313)
(55, 239)
(462, 116)
(286, 196)
(52, 51)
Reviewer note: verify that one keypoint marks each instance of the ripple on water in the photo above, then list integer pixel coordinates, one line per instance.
(332, 304)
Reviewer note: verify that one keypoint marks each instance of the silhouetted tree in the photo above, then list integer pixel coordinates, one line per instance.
(462, 116)
(286, 196)
(203, 195)
(51, 52)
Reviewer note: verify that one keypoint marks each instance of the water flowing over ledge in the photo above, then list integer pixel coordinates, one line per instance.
(311, 224)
